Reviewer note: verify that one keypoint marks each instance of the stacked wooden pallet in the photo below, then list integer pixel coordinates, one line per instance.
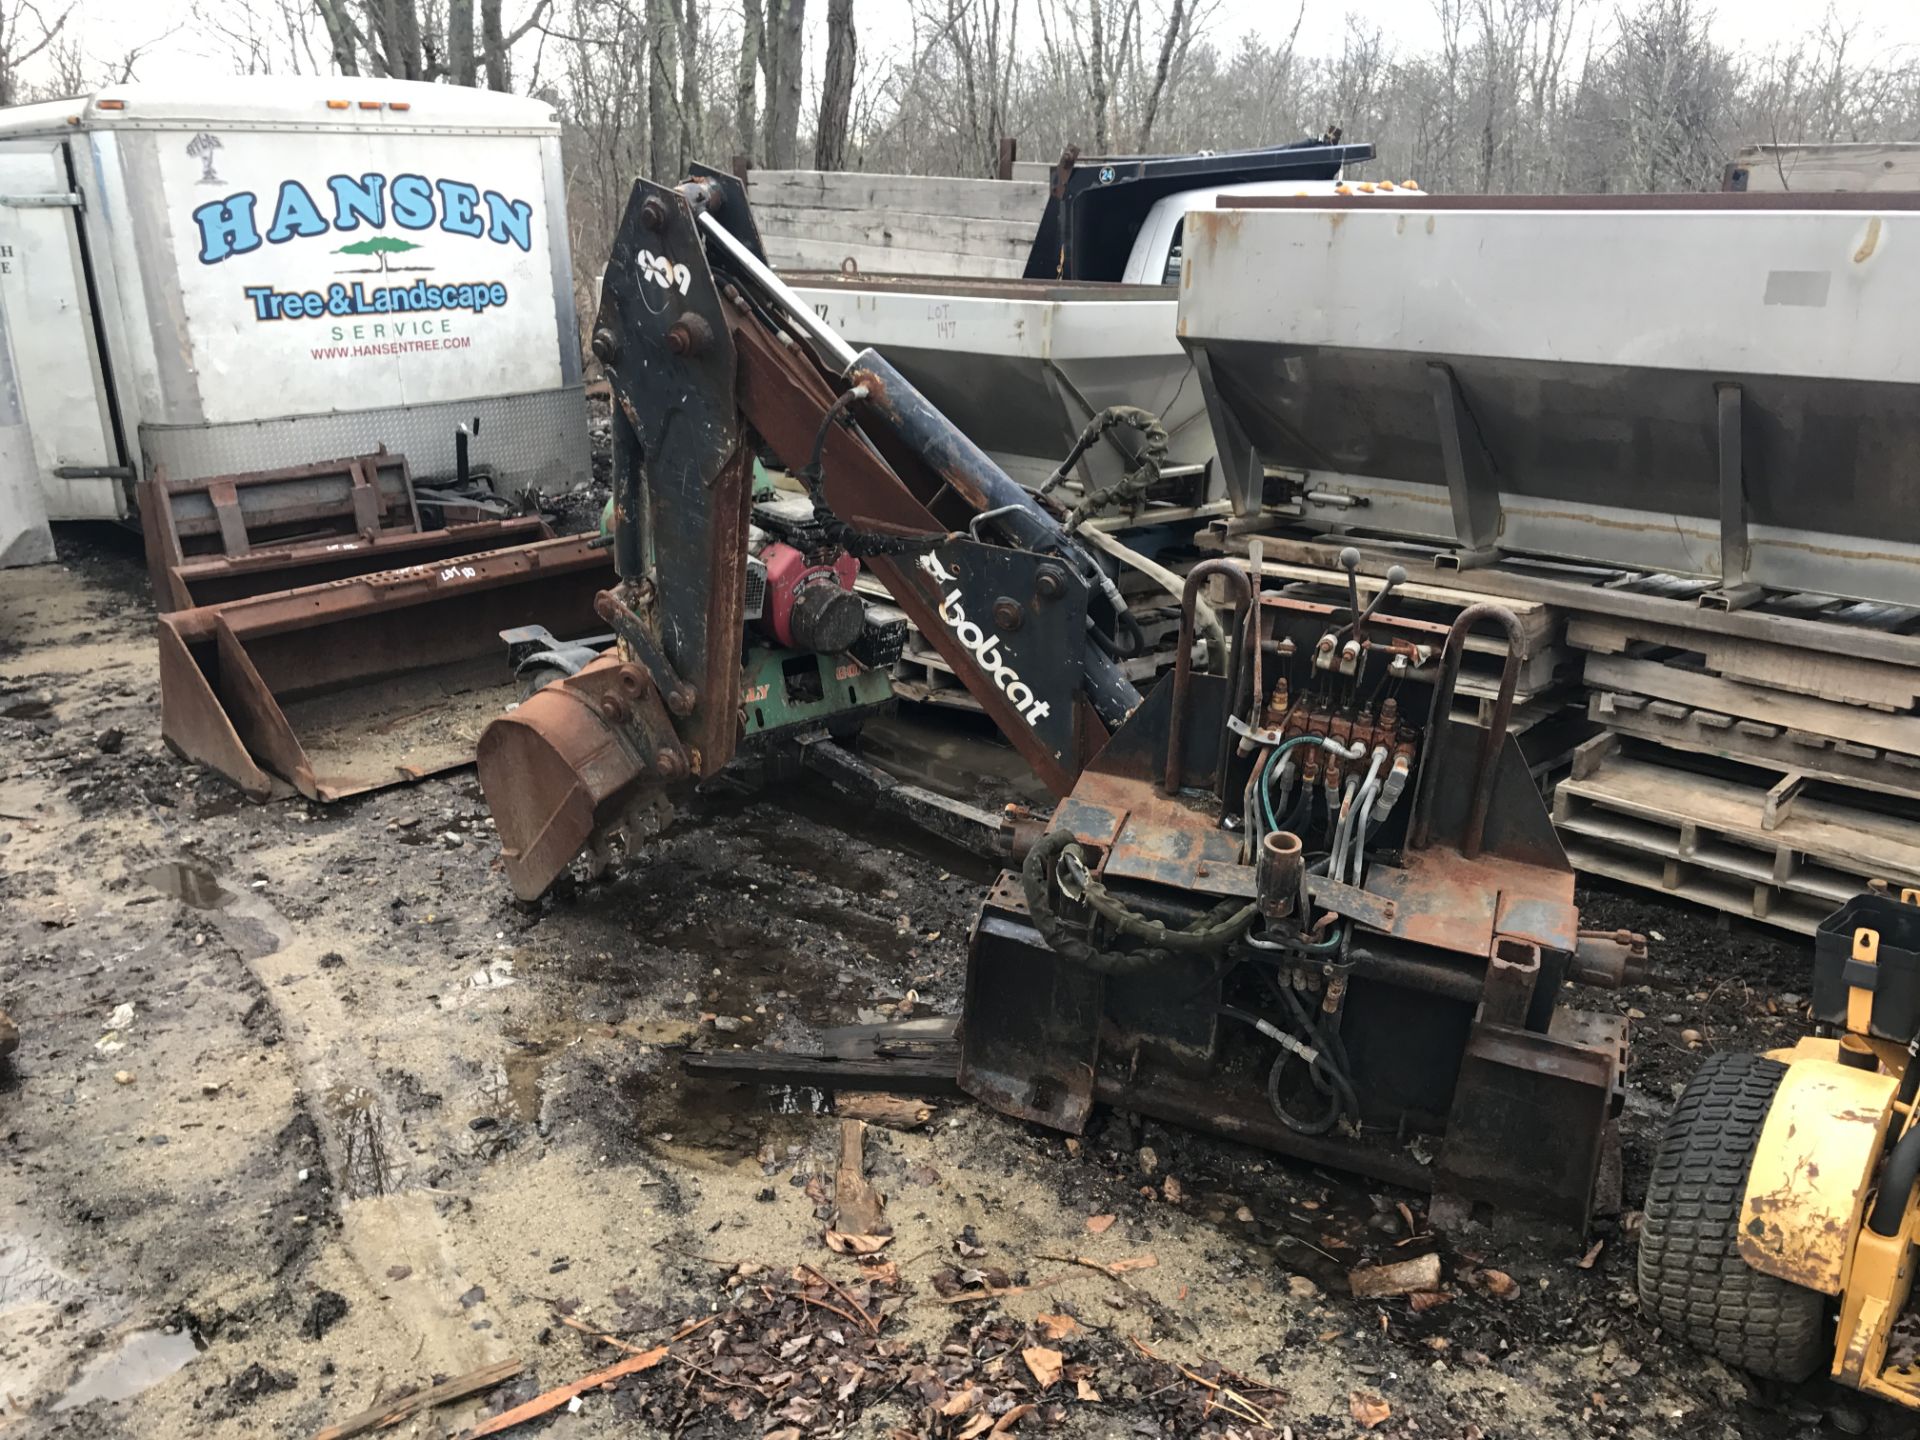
(1766, 781)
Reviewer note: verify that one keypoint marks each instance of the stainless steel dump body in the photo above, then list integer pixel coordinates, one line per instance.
(1716, 385)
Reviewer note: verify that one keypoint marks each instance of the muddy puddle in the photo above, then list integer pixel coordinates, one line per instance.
(139, 1362)
(31, 1276)
(727, 1123)
(369, 1164)
(187, 882)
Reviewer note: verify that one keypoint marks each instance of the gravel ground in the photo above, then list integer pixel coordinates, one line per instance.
(308, 1111)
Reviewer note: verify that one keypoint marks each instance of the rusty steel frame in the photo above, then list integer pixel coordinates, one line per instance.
(229, 537)
(1462, 945)
(228, 671)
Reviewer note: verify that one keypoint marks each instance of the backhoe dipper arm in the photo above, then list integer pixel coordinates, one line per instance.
(708, 353)
(1018, 607)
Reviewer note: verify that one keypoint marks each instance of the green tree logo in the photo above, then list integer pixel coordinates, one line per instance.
(380, 247)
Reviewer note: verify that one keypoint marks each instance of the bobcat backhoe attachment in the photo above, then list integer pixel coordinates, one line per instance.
(1296, 901)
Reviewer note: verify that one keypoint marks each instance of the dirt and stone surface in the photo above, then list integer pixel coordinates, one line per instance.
(308, 1112)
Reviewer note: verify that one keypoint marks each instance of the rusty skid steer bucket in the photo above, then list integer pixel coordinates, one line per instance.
(365, 682)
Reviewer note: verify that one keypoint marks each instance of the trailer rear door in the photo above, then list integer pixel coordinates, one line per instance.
(44, 279)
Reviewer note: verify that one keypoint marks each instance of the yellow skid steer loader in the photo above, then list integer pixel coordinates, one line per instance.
(1781, 1220)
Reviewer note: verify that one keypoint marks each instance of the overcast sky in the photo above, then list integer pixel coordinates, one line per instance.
(108, 27)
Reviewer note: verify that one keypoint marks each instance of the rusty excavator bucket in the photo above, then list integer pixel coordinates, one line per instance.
(369, 681)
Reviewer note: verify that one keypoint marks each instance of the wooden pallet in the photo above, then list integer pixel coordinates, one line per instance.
(1770, 854)
(1756, 705)
(1835, 676)
(1747, 742)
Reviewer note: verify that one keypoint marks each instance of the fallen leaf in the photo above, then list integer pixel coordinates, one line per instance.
(960, 1401)
(842, 1244)
(1132, 1262)
(1375, 1282)
(1100, 1224)
(978, 1425)
(1368, 1410)
(1056, 1327)
(1499, 1283)
(1013, 1417)
(1407, 1215)
(880, 1272)
(1593, 1254)
(1425, 1300)
(1084, 1392)
(1043, 1363)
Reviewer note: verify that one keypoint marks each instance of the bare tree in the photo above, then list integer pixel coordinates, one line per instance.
(746, 109)
(343, 35)
(261, 37)
(1175, 38)
(836, 88)
(461, 66)
(25, 31)
(662, 49)
(693, 129)
(1099, 84)
(782, 52)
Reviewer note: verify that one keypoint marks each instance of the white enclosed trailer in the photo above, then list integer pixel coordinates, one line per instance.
(264, 272)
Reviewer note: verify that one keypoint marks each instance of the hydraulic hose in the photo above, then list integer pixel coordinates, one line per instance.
(1226, 923)
(1896, 1185)
(1326, 1070)
(1333, 746)
(1346, 867)
(1204, 617)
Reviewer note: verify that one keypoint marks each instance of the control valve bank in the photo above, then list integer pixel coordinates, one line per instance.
(272, 272)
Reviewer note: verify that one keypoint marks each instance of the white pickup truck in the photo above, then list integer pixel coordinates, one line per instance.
(1022, 365)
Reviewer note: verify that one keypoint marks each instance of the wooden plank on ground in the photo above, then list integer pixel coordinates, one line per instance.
(1773, 707)
(1805, 672)
(394, 1411)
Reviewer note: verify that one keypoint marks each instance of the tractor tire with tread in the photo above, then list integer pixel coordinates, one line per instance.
(1692, 1279)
